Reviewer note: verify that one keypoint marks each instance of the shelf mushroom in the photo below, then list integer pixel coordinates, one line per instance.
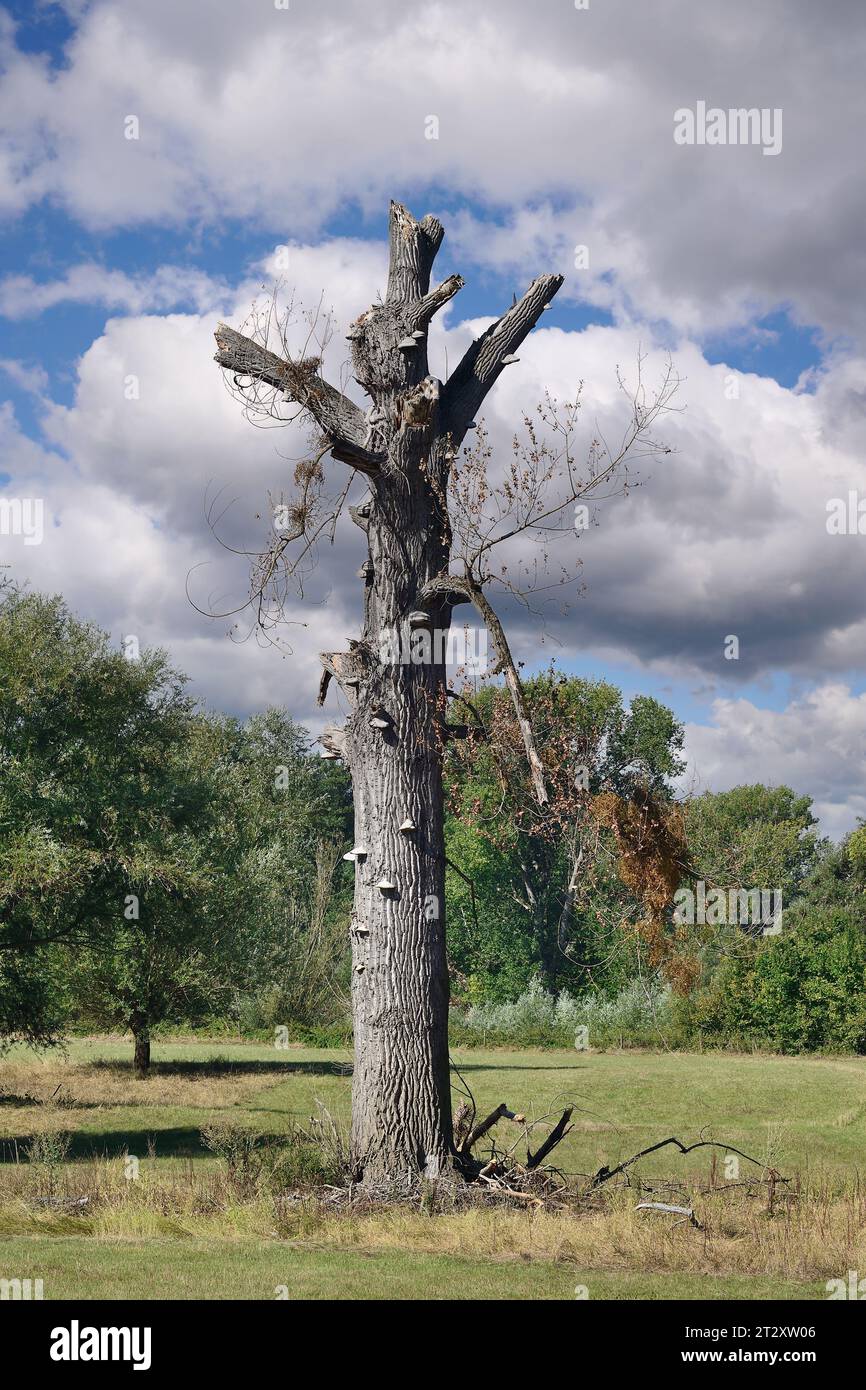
(408, 826)
(356, 852)
(385, 885)
(406, 343)
(418, 618)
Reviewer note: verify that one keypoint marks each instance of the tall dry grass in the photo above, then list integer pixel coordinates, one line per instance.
(37, 1097)
(814, 1230)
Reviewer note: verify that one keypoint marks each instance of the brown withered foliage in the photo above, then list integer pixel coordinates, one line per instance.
(653, 859)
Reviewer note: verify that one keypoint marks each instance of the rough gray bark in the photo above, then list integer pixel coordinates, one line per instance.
(392, 742)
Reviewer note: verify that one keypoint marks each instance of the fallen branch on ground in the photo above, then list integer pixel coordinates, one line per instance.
(676, 1211)
(604, 1173)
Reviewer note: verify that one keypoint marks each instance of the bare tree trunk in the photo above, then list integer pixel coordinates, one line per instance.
(141, 1045)
(392, 742)
(401, 1105)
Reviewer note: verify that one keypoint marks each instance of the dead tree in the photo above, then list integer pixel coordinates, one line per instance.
(393, 740)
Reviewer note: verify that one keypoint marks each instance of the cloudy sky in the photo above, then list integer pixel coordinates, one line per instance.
(258, 126)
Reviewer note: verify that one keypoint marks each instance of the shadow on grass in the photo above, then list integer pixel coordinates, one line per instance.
(228, 1067)
(182, 1142)
(505, 1066)
(64, 1103)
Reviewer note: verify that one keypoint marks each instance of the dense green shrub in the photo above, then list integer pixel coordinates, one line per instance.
(803, 990)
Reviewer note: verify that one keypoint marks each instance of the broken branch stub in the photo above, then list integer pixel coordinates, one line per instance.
(558, 1133)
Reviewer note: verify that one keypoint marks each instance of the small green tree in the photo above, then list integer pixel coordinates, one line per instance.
(84, 737)
(233, 890)
(176, 939)
(154, 861)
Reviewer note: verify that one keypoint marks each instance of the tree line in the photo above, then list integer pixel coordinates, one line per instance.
(161, 864)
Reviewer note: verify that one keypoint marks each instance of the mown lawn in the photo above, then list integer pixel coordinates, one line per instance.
(214, 1269)
(805, 1116)
(801, 1112)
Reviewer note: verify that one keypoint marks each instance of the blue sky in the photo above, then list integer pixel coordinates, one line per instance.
(555, 130)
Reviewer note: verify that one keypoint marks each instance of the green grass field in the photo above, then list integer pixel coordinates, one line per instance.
(804, 1116)
(212, 1269)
